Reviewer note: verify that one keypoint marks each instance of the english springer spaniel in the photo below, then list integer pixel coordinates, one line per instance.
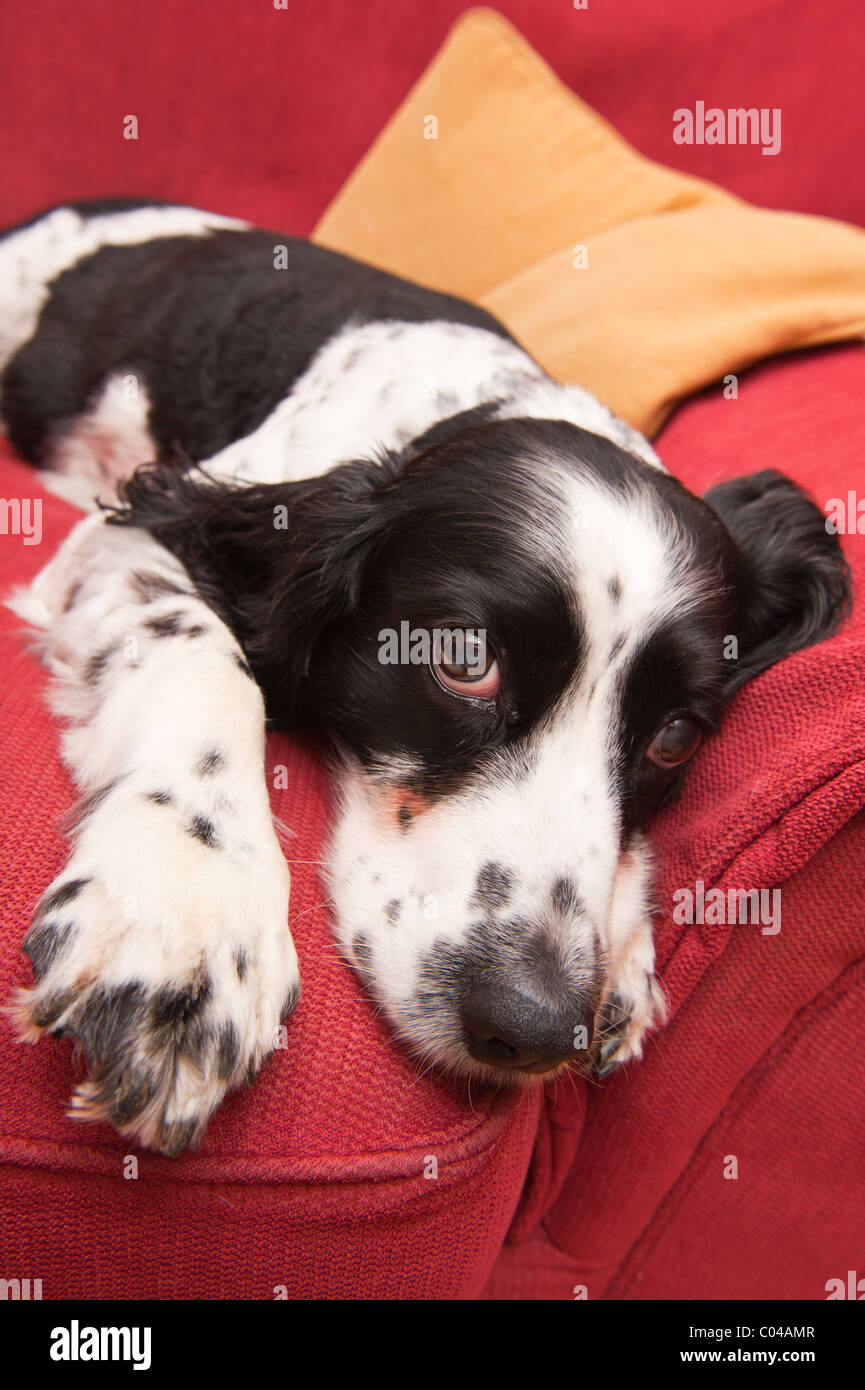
(309, 471)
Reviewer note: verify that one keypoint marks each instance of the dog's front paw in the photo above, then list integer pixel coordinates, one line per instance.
(634, 1006)
(164, 950)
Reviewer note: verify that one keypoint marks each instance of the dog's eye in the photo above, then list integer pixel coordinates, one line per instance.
(466, 665)
(675, 743)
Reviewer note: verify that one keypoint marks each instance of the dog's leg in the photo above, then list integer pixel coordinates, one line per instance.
(163, 947)
(634, 1003)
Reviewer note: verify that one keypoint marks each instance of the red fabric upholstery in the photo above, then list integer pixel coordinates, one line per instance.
(264, 112)
(314, 1180)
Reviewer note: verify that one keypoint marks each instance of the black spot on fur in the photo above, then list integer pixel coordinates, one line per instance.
(392, 911)
(147, 586)
(176, 1137)
(209, 763)
(106, 1019)
(47, 1011)
(62, 895)
(614, 588)
(161, 798)
(200, 828)
(98, 664)
(127, 1092)
(72, 596)
(241, 963)
(169, 625)
(405, 818)
(566, 899)
(176, 1016)
(78, 814)
(290, 1002)
(493, 886)
(362, 953)
(227, 1051)
(45, 942)
(610, 1028)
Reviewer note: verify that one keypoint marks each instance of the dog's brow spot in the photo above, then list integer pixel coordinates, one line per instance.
(405, 817)
(614, 588)
(148, 585)
(210, 762)
(227, 1050)
(392, 911)
(168, 625)
(160, 798)
(566, 899)
(242, 665)
(493, 886)
(617, 646)
(241, 963)
(200, 828)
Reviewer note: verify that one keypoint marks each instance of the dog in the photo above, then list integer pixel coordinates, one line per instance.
(295, 457)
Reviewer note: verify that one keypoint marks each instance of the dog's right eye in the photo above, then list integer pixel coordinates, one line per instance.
(675, 743)
(472, 672)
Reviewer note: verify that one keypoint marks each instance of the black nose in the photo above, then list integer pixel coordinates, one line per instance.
(509, 1025)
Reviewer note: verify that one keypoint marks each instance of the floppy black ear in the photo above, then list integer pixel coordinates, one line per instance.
(278, 562)
(792, 581)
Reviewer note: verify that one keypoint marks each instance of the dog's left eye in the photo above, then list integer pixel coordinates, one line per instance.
(675, 743)
(473, 671)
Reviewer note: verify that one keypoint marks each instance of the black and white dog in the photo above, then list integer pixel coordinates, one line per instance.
(368, 454)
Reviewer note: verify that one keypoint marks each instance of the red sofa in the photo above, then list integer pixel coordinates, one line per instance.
(343, 1173)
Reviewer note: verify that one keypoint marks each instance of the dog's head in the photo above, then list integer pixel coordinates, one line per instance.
(516, 637)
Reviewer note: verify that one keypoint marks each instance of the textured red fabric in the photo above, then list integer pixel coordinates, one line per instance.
(313, 1180)
(264, 112)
